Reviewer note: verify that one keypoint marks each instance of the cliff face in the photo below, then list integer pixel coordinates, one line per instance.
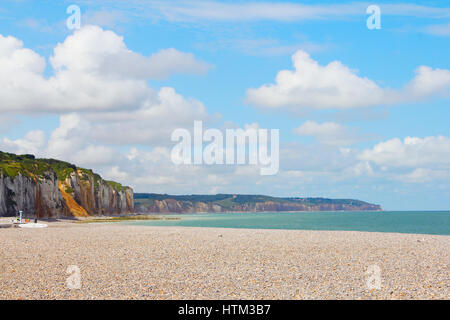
(146, 203)
(27, 194)
(95, 195)
(51, 188)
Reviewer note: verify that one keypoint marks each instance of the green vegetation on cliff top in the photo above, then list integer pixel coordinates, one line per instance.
(12, 165)
(116, 186)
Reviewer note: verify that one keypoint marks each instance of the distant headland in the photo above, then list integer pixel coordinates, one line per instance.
(163, 203)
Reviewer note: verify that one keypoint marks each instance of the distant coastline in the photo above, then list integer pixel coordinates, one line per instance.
(238, 203)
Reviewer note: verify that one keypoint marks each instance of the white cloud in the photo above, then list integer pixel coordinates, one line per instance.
(426, 83)
(360, 169)
(218, 11)
(69, 137)
(413, 160)
(93, 71)
(312, 85)
(335, 85)
(318, 158)
(304, 169)
(330, 133)
(438, 29)
(152, 124)
(278, 11)
(94, 155)
(96, 51)
(151, 169)
(116, 174)
(72, 141)
(31, 143)
(198, 11)
(433, 152)
(421, 175)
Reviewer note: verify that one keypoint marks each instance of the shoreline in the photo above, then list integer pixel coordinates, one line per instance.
(231, 212)
(118, 261)
(125, 220)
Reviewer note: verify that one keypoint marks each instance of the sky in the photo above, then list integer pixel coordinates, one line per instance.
(362, 113)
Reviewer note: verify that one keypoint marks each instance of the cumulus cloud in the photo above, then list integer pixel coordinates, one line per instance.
(411, 152)
(72, 141)
(151, 168)
(93, 71)
(96, 51)
(412, 160)
(114, 173)
(32, 143)
(152, 123)
(304, 169)
(312, 85)
(92, 139)
(337, 86)
(426, 83)
(330, 133)
(69, 136)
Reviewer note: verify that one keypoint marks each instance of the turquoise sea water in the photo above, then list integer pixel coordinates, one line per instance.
(425, 222)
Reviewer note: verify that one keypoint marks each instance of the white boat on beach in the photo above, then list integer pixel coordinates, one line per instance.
(19, 222)
(32, 225)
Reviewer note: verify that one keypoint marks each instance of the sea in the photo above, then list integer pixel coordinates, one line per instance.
(421, 222)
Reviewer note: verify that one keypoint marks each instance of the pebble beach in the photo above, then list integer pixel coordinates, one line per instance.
(119, 261)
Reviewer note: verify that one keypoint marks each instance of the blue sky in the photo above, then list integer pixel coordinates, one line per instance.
(227, 53)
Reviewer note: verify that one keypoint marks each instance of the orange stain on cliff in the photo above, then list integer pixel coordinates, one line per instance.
(74, 207)
(130, 204)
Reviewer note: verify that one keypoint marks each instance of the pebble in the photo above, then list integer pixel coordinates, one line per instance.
(118, 261)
